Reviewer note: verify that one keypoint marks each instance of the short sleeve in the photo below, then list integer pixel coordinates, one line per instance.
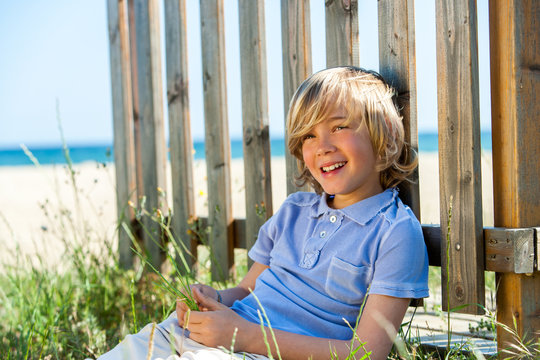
(260, 252)
(272, 230)
(401, 268)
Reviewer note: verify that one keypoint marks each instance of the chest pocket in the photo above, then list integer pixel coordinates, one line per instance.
(346, 282)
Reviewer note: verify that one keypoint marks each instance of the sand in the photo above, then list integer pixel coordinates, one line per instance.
(38, 206)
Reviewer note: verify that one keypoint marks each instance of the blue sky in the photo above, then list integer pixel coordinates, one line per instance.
(58, 50)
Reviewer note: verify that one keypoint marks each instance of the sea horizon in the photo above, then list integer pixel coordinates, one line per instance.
(104, 153)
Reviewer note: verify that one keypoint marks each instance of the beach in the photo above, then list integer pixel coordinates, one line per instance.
(41, 211)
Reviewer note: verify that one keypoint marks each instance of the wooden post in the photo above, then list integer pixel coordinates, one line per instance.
(397, 64)
(256, 140)
(124, 157)
(459, 156)
(296, 43)
(181, 146)
(152, 133)
(515, 111)
(342, 44)
(218, 147)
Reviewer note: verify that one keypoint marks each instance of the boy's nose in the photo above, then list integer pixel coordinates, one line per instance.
(325, 147)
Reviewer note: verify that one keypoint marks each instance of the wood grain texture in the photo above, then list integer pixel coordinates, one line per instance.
(296, 46)
(181, 145)
(342, 42)
(124, 154)
(152, 132)
(515, 111)
(132, 26)
(218, 152)
(397, 64)
(256, 134)
(510, 250)
(459, 155)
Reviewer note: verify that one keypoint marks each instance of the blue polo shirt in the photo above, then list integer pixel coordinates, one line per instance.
(323, 260)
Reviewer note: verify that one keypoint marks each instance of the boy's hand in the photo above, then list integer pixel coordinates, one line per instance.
(205, 290)
(207, 298)
(182, 308)
(214, 326)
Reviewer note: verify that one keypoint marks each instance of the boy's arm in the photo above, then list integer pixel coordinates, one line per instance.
(381, 318)
(380, 321)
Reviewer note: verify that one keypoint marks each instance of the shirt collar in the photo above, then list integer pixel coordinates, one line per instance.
(361, 212)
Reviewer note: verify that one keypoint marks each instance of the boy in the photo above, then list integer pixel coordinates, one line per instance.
(324, 254)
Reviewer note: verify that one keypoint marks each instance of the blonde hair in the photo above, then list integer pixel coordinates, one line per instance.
(366, 97)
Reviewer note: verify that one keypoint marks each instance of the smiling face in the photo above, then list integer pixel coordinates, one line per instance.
(339, 155)
(376, 145)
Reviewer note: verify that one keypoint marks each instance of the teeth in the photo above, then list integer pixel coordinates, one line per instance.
(333, 167)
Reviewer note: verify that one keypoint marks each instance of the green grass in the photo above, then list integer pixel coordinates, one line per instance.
(79, 309)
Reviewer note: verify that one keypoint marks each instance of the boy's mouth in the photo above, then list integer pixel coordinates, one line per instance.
(332, 167)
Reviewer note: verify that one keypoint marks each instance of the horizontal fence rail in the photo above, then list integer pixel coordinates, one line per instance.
(507, 250)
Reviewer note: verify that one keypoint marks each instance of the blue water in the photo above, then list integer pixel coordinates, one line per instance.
(428, 142)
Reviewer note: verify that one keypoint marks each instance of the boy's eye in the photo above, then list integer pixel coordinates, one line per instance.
(341, 127)
(307, 137)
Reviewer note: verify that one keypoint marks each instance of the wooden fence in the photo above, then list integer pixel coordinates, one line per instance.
(464, 249)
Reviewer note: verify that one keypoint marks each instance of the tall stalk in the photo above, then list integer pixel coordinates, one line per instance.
(448, 231)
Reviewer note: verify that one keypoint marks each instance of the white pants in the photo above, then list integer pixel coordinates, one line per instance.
(169, 343)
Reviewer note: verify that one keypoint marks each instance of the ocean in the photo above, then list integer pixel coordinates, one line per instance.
(427, 142)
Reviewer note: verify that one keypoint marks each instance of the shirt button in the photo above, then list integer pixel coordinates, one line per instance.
(333, 218)
(322, 234)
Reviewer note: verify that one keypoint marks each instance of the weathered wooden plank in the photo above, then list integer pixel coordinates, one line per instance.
(342, 43)
(152, 132)
(509, 250)
(296, 44)
(124, 151)
(135, 97)
(459, 154)
(256, 139)
(181, 145)
(218, 152)
(515, 85)
(397, 64)
(432, 237)
(239, 231)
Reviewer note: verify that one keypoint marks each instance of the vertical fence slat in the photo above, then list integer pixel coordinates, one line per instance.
(256, 139)
(179, 124)
(218, 152)
(152, 134)
(124, 157)
(515, 109)
(397, 64)
(296, 44)
(135, 97)
(342, 43)
(459, 154)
